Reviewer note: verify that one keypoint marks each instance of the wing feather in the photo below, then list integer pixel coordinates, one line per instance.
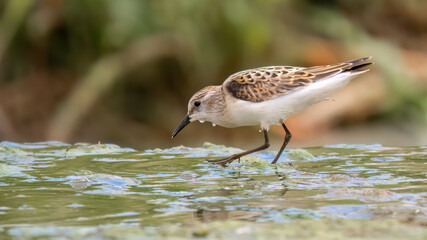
(260, 84)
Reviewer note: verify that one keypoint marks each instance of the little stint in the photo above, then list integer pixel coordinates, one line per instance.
(268, 96)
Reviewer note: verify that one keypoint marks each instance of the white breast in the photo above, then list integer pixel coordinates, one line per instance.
(276, 110)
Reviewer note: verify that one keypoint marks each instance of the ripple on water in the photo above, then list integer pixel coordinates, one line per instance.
(106, 185)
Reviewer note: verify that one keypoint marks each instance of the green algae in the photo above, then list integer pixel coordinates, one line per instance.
(299, 155)
(80, 149)
(53, 190)
(6, 151)
(254, 161)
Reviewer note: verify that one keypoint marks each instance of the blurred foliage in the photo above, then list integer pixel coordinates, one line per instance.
(111, 70)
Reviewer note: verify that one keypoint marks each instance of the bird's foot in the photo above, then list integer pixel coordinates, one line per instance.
(224, 161)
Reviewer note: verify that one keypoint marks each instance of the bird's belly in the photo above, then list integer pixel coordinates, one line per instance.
(245, 113)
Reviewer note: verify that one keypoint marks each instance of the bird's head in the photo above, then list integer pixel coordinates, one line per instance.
(202, 107)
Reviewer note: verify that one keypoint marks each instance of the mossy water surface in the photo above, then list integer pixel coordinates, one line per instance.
(53, 189)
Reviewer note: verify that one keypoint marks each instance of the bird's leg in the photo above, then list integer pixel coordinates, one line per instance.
(231, 158)
(288, 137)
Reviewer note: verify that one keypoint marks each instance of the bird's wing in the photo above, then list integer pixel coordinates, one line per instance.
(260, 84)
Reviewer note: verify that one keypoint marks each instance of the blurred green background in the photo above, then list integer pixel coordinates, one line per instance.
(123, 71)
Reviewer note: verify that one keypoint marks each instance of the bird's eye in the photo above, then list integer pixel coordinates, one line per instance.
(197, 103)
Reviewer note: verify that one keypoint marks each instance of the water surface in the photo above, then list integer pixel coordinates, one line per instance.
(57, 189)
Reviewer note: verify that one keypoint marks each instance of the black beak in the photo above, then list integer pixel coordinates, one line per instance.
(184, 123)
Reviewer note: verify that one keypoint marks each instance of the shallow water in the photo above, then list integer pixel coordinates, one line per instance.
(52, 188)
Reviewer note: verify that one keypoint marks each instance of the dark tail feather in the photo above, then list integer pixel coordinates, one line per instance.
(358, 65)
(359, 68)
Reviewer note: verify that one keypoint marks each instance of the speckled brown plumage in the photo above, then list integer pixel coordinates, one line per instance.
(260, 84)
